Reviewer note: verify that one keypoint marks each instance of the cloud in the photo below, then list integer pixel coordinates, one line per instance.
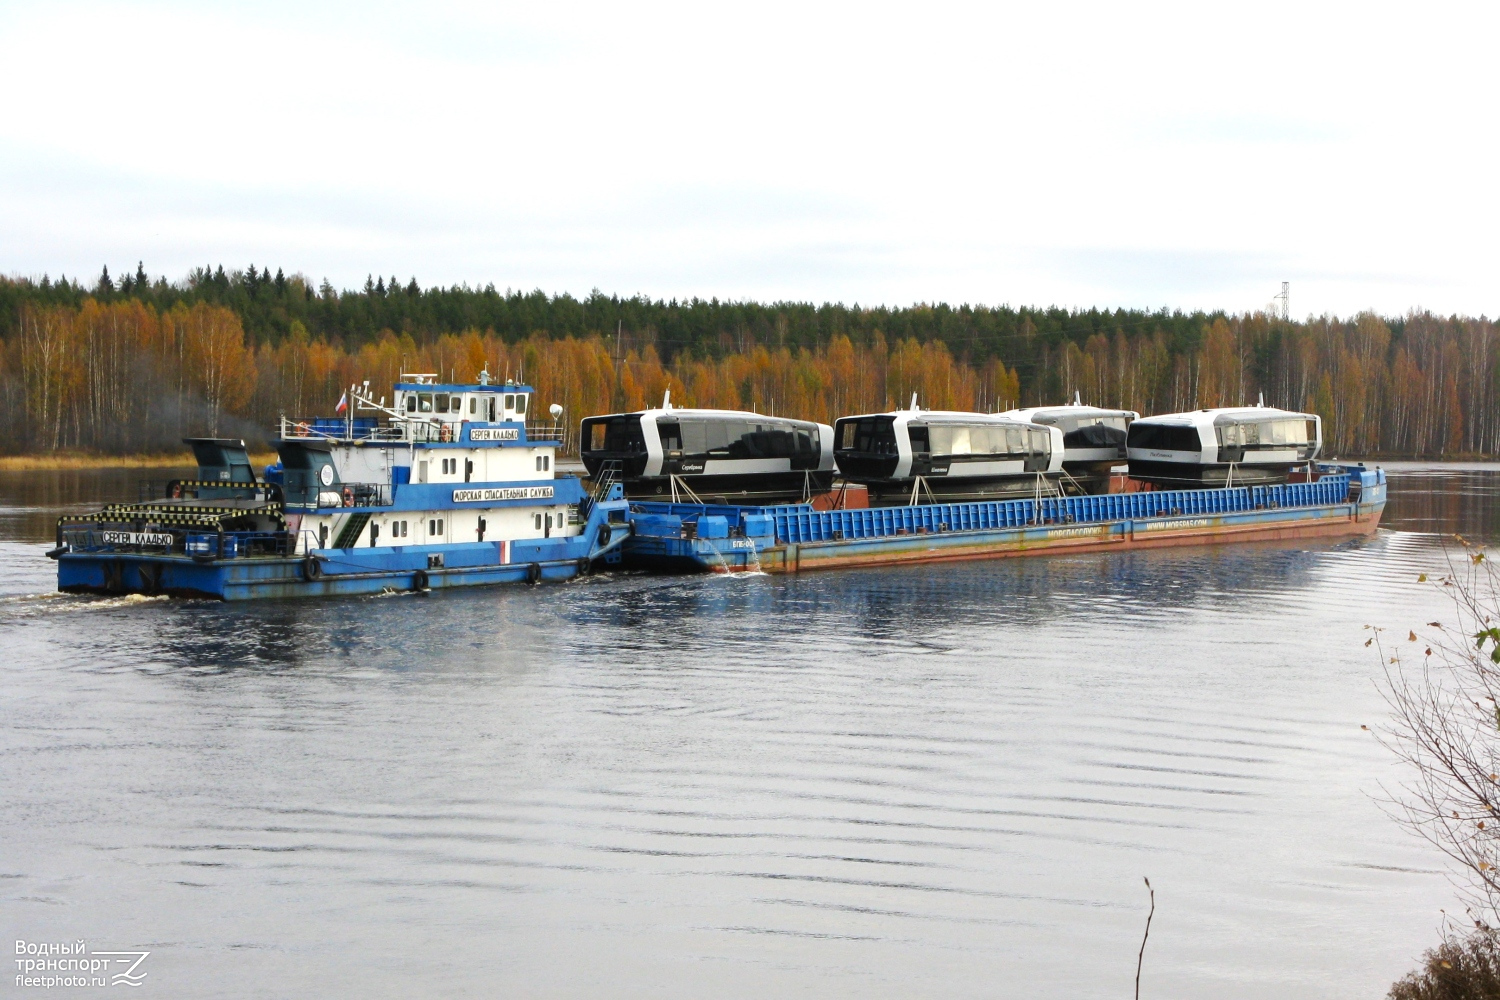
(1083, 155)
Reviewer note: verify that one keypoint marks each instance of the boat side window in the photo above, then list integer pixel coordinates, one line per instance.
(510, 401)
(490, 402)
(694, 437)
(807, 443)
(441, 399)
(671, 437)
(473, 404)
(521, 404)
(1041, 442)
(424, 402)
(411, 402)
(781, 442)
(718, 436)
(1312, 432)
(1015, 441)
(920, 439)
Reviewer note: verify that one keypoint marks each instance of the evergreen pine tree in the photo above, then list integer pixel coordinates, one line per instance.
(106, 286)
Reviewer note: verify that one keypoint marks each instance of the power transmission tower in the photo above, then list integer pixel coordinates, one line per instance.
(1285, 299)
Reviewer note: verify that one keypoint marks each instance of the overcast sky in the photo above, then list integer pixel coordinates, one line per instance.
(1147, 155)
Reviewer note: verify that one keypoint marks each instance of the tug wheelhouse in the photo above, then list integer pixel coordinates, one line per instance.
(1231, 446)
(720, 455)
(958, 456)
(1093, 439)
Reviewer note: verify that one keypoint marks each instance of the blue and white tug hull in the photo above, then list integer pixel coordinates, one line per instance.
(453, 489)
(346, 572)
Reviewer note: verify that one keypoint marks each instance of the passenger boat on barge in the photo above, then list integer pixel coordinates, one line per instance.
(1227, 446)
(1093, 439)
(725, 456)
(449, 486)
(911, 455)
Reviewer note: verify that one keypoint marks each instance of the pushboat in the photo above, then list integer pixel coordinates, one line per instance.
(452, 485)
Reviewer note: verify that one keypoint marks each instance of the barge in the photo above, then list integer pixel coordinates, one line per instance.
(450, 486)
(1331, 502)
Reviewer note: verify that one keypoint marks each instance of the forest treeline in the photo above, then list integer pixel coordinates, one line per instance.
(135, 364)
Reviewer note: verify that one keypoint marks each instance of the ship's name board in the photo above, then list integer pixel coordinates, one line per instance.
(503, 493)
(494, 434)
(135, 538)
(1086, 532)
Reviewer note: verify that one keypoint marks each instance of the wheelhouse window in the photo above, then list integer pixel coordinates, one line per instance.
(424, 402)
(521, 404)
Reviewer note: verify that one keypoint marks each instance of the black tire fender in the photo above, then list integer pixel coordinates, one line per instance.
(585, 566)
(419, 580)
(312, 568)
(605, 534)
(534, 573)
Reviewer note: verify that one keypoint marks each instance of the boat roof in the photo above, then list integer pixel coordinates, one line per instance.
(945, 416)
(1068, 410)
(1231, 413)
(688, 411)
(460, 387)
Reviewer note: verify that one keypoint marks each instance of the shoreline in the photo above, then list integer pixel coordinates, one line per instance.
(67, 461)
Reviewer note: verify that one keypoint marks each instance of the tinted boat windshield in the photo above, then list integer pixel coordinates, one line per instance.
(1165, 437)
(617, 435)
(868, 435)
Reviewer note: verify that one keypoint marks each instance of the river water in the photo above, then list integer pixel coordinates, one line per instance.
(943, 782)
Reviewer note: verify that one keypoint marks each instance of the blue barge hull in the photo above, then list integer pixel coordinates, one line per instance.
(1344, 501)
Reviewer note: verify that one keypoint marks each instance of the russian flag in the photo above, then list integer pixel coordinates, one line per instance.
(343, 403)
